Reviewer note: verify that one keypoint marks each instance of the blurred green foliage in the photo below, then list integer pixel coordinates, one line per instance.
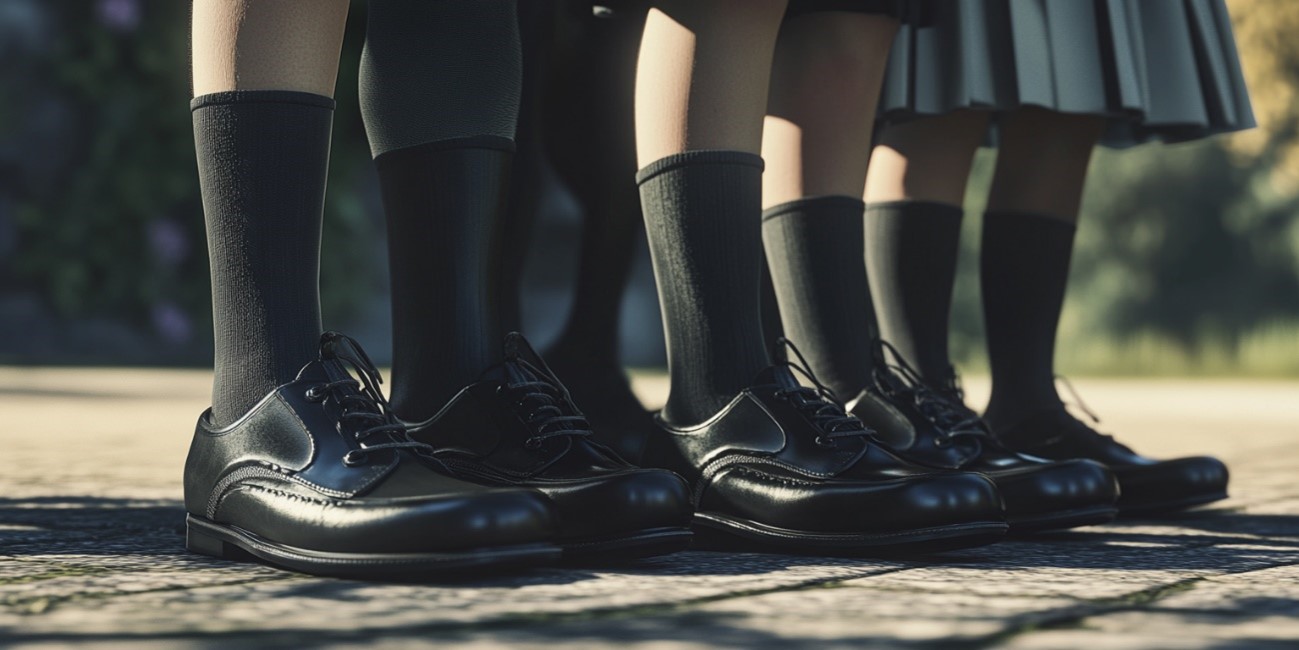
(105, 206)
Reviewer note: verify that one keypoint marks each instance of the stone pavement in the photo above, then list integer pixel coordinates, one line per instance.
(91, 552)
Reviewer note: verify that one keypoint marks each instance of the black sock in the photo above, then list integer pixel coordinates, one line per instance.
(702, 211)
(814, 251)
(262, 161)
(1024, 272)
(440, 86)
(911, 251)
(590, 118)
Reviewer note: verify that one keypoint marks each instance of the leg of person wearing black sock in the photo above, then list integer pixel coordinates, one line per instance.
(824, 88)
(590, 124)
(1028, 235)
(261, 135)
(701, 192)
(914, 189)
(440, 85)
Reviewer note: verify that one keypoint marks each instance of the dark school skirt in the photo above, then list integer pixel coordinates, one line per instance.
(1159, 69)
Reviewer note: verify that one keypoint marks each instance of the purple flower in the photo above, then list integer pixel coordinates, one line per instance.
(120, 15)
(168, 242)
(172, 324)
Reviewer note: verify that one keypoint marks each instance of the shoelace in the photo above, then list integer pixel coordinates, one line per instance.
(1078, 403)
(900, 380)
(818, 403)
(541, 400)
(362, 403)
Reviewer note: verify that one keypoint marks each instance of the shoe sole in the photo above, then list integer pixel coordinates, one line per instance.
(1130, 509)
(231, 543)
(720, 532)
(1061, 520)
(650, 542)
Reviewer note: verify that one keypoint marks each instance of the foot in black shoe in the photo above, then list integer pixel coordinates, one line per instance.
(1147, 485)
(784, 467)
(517, 426)
(616, 415)
(926, 427)
(319, 477)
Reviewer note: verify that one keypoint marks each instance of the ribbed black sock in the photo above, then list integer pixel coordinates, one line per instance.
(911, 251)
(814, 252)
(443, 204)
(1024, 272)
(440, 87)
(262, 162)
(702, 211)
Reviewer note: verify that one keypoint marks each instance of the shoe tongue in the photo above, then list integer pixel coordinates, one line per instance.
(507, 372)
(779, 375)
(324, 371)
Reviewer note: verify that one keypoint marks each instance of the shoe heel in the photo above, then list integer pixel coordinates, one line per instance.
(200, 541)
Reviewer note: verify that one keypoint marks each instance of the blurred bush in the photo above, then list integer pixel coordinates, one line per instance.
(102, 253)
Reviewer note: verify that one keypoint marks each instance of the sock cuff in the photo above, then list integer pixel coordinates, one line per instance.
(492, 142)
(261, 97)
(702, 157)
(825, 202)
(938, 209)
(1024, 219)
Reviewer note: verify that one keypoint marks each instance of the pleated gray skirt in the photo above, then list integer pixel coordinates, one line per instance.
(1159, 69)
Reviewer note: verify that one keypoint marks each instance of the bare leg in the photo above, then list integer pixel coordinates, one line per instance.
(1027, 240)
(703, 74)
(926, 159)
(914, 191)
(282, 45)
(825, 87)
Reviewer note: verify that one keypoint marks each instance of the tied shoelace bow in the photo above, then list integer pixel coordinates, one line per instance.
(901, 380)
(362, 403)
(538, 396)
(1081, 406)
(817, 402)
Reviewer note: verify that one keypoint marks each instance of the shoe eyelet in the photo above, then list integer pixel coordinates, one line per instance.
(824, 441)
(313, 395)
(355, 458)
(942, 442)
(533, 443)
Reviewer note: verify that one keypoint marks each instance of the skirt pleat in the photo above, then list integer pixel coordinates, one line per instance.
(1157, 69)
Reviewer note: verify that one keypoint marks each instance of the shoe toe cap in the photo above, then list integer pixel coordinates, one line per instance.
(1056, 487)
(621, 502)
(855, 506)
(1173, 483)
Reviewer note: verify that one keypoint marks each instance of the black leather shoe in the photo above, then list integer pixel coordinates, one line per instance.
(924, 426)
(783, 466)
(319, 477)
(517, 426)
(1148, 485)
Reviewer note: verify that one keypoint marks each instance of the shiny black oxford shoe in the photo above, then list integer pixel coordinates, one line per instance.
(925, 427)
(1148, 485)
(319, 477)
(517, 426)
(782, 466)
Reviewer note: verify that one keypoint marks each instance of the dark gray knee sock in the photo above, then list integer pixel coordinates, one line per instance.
(814, 252)
(1024, 272)
(262, 162)
(702, 212)
(911, 252)
(440, 87)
